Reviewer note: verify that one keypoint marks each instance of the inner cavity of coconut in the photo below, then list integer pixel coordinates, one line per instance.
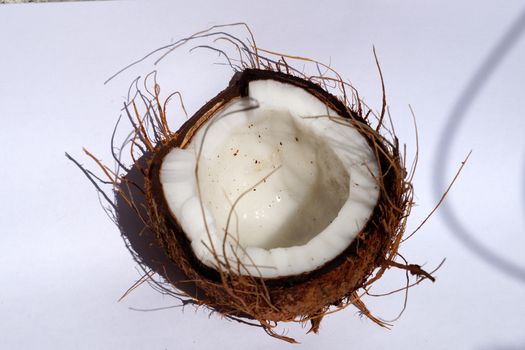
(284, 187)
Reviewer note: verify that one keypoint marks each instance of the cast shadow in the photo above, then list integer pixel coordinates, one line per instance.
(140, 241)
(450, 132)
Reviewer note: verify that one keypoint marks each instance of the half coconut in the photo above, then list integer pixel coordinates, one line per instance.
(275, 198)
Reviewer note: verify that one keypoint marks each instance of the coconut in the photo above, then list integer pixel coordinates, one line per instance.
(275, 198)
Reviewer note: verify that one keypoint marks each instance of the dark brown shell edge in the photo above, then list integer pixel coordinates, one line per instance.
(288, 297)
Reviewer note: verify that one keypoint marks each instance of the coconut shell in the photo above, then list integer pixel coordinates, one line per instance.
(303, 296)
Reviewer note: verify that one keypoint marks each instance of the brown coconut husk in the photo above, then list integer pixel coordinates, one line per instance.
(302, 298)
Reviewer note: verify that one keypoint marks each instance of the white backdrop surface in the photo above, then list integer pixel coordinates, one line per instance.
(458, 64)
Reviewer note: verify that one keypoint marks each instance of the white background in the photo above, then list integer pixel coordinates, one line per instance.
(63, 264)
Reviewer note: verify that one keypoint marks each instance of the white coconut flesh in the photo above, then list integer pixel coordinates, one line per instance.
(286, 188)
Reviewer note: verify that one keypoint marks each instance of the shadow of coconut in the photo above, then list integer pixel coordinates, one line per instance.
(142, 242)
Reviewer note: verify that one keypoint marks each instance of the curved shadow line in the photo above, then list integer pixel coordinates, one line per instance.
(457, 115)
(523, 184)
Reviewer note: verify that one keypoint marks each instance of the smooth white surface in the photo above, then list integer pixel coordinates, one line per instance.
(289, 171)
(63, 263)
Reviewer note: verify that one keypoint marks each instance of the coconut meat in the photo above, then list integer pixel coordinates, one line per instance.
(282, 185)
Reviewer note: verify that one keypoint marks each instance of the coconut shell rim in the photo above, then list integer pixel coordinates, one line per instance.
(237, 88)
